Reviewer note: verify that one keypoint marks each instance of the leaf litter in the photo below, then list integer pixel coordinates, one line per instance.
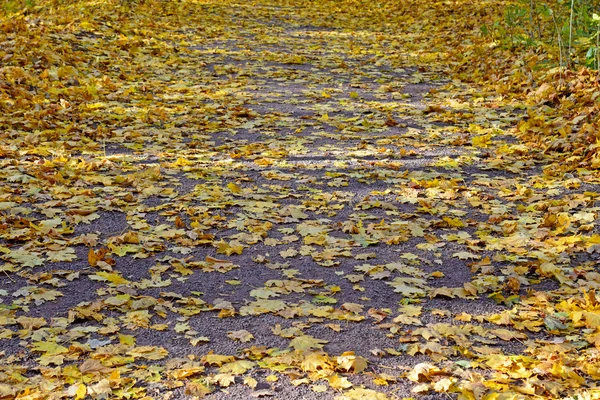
(215, 199)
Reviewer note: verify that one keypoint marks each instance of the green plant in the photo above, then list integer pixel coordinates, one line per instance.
(592, 57)
(514, 17)
(15, 6)
(565, 29)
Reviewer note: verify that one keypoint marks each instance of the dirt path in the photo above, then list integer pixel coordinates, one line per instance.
(285, 207)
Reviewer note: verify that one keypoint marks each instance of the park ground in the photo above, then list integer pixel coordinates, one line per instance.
(291, 200)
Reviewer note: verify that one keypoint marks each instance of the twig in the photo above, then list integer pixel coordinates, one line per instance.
(570, 33)
(560, 47)
(597, 53)
(531, 6)
(9, 277)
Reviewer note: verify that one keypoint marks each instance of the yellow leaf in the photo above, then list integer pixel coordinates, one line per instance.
(113, 278)
(380, 381)
(422, 388)
(291, 252)
(49, 348)
(592, 319)
(410, 310)
(251, 382)
(234, 188)
(339, 382)
(349, 361)
(224, 380)
(229, 248)
(318, 388)
(314, 361)
(481, 141)
(81, 391)
(127, 340)
(148, 352)
(31, 323)
(506, 334)
(301, 381)
(306, 342)
(216, 359)
(241, 335)
(182, 373)
(463, 317)
(216, 260)
(443, 385)
(237, 367)
(353, 307)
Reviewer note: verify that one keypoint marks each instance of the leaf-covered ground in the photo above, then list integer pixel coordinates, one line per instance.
(287, 199)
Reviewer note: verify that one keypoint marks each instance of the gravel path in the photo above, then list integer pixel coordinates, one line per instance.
(302, 194)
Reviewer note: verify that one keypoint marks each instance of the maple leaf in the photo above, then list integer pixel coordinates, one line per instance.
(353, 307)
(224, 380)
(365, 256)
(339, 382)
(318, 388)
(234, 188)
(251, 382)
(148, 352)
(242, 335)
(230, 248)
(362, 394)
(315, 361)
(443, 385)
(465, 255)
(291, 252)
(77, 391)
(262, 306)
(31, 323)
(306, 342)
(355, 278)
(216, 359)
(322, 299)
(406, 290)
(465, 317)
(100, 389)
(237, 367)
(198, 389)
(186, 371)
(349, 361)
(25, 258)
(442, 291)
(263, 293)
(506, 334)
(113, 278)
(64, 255)
(49, 348)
